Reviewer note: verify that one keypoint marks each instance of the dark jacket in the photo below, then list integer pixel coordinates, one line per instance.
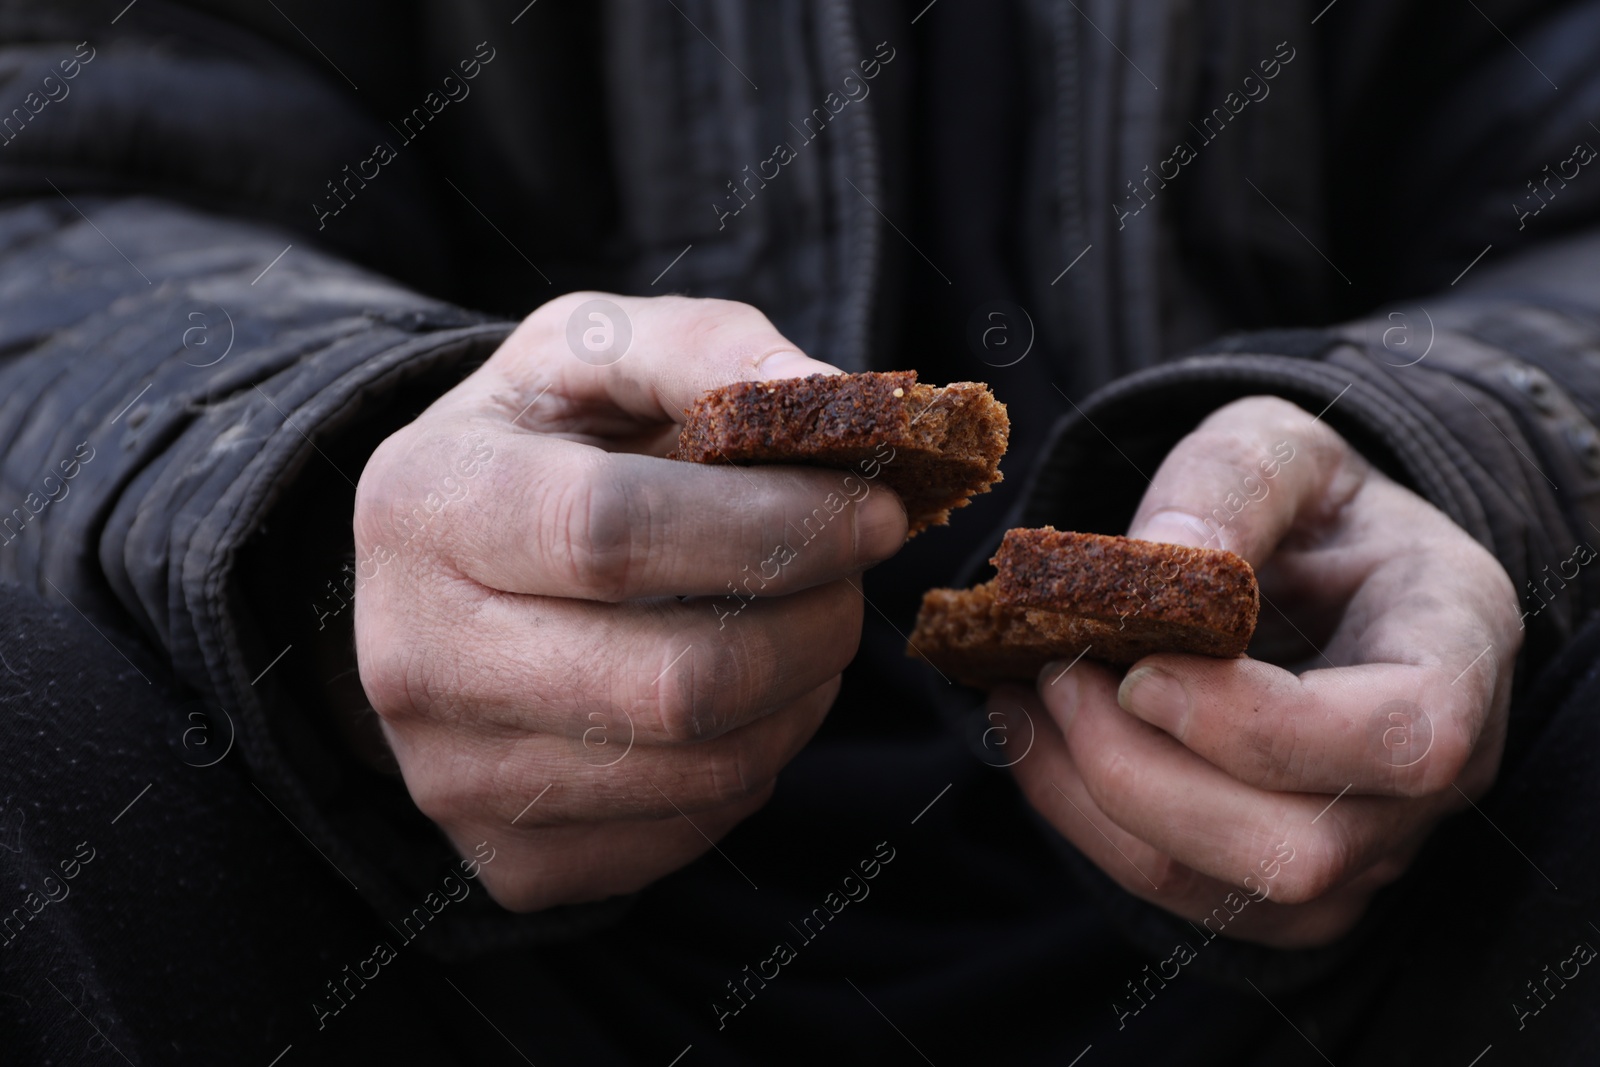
(238, 243)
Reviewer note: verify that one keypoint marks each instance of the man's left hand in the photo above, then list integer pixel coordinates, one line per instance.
(1273, 795)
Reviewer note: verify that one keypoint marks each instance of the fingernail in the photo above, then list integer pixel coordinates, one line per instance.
(1158, 698)
(1175, 527)
(791, 364)
(1058, 688)
(880, 526)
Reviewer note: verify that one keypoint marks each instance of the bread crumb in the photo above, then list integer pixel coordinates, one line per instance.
(899, 392)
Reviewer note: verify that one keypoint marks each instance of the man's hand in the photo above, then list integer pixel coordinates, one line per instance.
(1270, 802)
(521, 547)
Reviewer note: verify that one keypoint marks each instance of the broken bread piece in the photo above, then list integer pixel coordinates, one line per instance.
(1061, 595)
(934, 446)
(968, 636)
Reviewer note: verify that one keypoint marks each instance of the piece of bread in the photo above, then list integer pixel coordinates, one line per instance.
(935, 447)
(1204, 599)
(970, 638)
(1059, 595)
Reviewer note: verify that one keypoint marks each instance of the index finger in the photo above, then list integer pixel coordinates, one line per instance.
(564, 519)
(1385, 729)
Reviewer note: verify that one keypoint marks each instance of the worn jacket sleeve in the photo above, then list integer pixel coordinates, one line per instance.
(191, 378)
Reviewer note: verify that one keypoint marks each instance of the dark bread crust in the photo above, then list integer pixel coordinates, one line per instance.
(1111, 599)
(935, 447)
(1117, 579)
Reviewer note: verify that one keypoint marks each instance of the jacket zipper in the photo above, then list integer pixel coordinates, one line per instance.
(856, 316)
(1068, 129)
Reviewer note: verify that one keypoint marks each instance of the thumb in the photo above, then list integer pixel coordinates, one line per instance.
(1242, 479)
(645, 359)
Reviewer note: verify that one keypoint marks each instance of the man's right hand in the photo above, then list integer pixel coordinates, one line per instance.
(519, 550)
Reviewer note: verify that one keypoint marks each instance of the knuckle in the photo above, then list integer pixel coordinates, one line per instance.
(703, 691)
(729, 778)
(709, 317)
(681, 715)
(1263, 407)
(708, 328)
(370, 488)
(1110, 777)
(409, 679)
(380, 491)
(728, 330)
(549, 319)
(1236, 429)
(1225, 445)
(593, 527)
(388, 672)
(1276, 752)
(439, 796)
(1320, 867)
